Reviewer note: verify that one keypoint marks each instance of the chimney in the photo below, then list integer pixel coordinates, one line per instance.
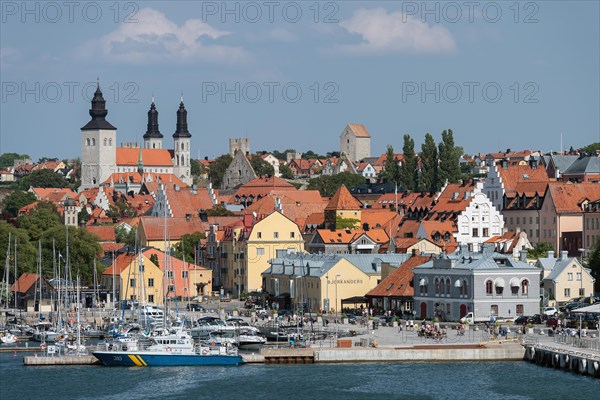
(188, 217)
(533, 163)
(176, 187)
(504, 163)
(550, 254)
(205, 158)
(564, 255)
(203, 216)
(523, 255)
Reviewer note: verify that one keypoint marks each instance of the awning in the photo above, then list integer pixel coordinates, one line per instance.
(499, 282)
(514, 282)
(458, 283)
(422, 282)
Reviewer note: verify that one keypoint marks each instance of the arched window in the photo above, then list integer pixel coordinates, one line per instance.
(436, 283)
(153, 145)
(448, 286)
(93, 141)
(87, 141)
(110, 142)
(105, 141)
(465, 287)
(182, 146)
(489, 287)
(525, 286)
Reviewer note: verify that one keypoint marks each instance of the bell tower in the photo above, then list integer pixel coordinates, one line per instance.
(153, 138)
(181, 150)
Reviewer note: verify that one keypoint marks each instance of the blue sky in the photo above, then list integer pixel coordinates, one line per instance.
(499, 75)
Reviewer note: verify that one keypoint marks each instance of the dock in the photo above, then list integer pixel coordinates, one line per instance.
(570, 354)
(61, 360)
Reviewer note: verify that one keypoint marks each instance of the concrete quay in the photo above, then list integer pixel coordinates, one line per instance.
(61, 360)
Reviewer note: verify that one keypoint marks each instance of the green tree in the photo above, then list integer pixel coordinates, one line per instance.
(41, 218)
(121, 209)
(17, 199)
(428, 178)
(218, 211)
(216, 170)
(26, 253)
(260, 166)
(327, 185)
(84, 247)
(391, 171)
(282, 155)
(83, 217)
(449, 168)
(43, 178)
(154, 259)
(187, 246)
(8, 159)
(310, 155)
(594, 265)
(197, 168)
(539, 250)
(124, 236)
(346, 223)
(408, 170)
(592, 148)
(286, 172)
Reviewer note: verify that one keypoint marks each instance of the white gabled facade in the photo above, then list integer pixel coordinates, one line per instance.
(480, 221)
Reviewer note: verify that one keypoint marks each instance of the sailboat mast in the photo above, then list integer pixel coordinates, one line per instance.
(7, 272)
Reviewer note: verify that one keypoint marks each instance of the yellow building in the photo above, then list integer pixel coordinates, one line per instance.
(343, 211)
(322, 281)
(138, 278)
(248, 246)
(564, 278)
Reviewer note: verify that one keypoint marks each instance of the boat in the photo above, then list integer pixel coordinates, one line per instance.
(208, 324)
(250, 340)
(176, 348)
(43, 332)
(7, 338)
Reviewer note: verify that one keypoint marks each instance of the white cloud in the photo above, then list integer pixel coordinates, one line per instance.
(155, 38)
(395, 32)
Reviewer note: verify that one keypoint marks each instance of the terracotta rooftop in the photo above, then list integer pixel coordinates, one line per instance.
(383, 158)
(343, 200)
(515, 174)
(153, 227)
(295, 205)
(567, 197)
(359, 130)
(150, 157)
(400, 282)
(106, 233)
(186, 201)
(24, 283)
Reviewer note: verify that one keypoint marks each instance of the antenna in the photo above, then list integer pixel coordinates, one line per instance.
(561, 143)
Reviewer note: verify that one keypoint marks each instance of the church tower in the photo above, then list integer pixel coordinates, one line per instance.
(153, 138)
(98, 145)
(181, 149)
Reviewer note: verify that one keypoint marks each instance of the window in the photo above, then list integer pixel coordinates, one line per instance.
(184, 274)
(581, 291)
(499, 289)
(465, 288)
(259, 235)
(519, 309)
(567, 292)
(485, 232)
(488, 287)
(276, 235)
(530, 220)
(570, 276)
(281, 253)
(494, 309)
(132, 282)
(525, 286)
(292, 235)
(579, 276)
(475, 232)
(170, 274)
(150, 282)
(171, 288)
(151, 298)
(260, 251)
(448, 289)
(436, 283)
(87, 141)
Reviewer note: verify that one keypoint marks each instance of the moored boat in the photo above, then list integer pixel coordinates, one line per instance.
(173, 349)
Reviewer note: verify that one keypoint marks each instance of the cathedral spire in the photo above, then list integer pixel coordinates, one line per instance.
(98, 113)
(182, 128)
(153, 131)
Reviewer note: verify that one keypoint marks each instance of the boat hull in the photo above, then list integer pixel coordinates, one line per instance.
(149, 359)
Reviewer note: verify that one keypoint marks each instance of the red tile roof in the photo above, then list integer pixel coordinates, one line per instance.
(153, 227)
(567, 197)
(186, 201)
(54, 195)
(106, 233)
(296, 205)
(150, 157)
(359, 130)
(515, 174)
(380, 162)
(261, 186)
(400, 282)
(24, 283)
(343, 200)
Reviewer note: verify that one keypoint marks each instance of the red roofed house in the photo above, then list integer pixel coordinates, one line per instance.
(152, 230)
(562, 214)
(345, 241)
(25, 288)
(181, 202)
(258, 188)
(395, 291)
(343, 209)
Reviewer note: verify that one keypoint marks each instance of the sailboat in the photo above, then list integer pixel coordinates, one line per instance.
(43, 330)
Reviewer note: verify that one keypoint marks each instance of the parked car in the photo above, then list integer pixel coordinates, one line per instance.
(195, 307)
(523, 319)
(551, 311)
(536, 319)
(552, 322)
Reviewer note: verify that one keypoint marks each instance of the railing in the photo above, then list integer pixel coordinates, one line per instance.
(582, 343)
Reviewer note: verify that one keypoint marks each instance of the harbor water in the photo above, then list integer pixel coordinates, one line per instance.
(457, 380)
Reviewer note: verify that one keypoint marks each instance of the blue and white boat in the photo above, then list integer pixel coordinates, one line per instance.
(173, 348)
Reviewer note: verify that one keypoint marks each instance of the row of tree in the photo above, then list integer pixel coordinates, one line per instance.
(427, 171)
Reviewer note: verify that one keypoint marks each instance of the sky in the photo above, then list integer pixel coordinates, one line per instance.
(501, 75)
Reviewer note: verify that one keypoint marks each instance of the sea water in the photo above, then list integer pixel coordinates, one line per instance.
(370, 381)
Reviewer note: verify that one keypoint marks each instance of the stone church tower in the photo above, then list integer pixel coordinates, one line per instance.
(153, 138)
(355, 142)
(181, 147)
(98, 144)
